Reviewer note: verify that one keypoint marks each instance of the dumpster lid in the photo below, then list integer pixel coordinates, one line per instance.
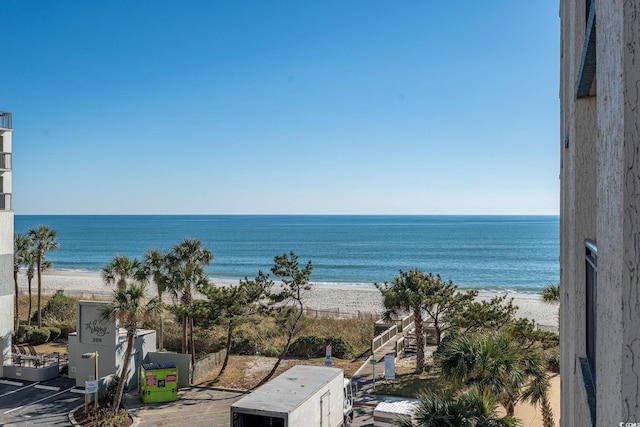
(163, 365)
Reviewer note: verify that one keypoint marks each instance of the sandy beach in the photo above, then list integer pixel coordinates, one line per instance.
(345, 298)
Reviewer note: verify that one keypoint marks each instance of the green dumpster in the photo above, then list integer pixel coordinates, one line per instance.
(158, 382)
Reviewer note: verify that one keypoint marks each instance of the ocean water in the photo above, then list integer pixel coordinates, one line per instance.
(516, 253)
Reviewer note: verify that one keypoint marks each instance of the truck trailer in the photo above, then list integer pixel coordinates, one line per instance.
(303, 396)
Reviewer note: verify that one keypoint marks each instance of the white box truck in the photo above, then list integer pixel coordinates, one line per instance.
(303, 396)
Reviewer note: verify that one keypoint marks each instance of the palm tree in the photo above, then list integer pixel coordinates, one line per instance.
(129, 305)
(121, 269)
(21, 246)
(155, 261)
(407, 293)
(537, 391)
(492, 363)
(471, 408)
(31, 261)
(44, 239)
(185, 275)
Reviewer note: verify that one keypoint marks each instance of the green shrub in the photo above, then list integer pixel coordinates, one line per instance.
(112, 387)
(311, 346)
(25, 333)
(244, 346)
(552, 359)
(271, 351)
(66, 329)
(340, 347)
(40, 336)
(54, 333)
(307, 347)
(59, 308)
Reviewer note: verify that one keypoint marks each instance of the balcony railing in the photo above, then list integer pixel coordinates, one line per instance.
(5, 161)
(5, 201)
(5, 120)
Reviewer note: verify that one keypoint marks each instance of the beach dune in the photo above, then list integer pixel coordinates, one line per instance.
(343, 297)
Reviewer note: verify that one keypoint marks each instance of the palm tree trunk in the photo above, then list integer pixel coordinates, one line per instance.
(547, 413)
(30, 308)
(16, 316)
(160, 335)
(417, 318)
(123, 374)
(226, 356)
(39, 291)
(185, 319)
(193, 343)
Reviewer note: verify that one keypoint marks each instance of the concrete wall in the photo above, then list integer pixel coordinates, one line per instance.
(600, 200)
(6, 265)
(110, 359)
(182, 361)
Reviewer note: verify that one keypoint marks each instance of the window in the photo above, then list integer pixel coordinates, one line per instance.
(591, 273)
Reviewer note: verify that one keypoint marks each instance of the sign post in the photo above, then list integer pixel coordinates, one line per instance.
(327, 360)
(373, 366)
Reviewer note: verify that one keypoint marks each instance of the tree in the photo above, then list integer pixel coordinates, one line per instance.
(21, 247)
(121, 269)
(155, 262)
(416, 292)
(129, 304)
(471, 408)
(44, 239)
(234, 305)
(30, 261)
(491, 362)
(537, 391)
(475, 316)
(286, 304)
(185, 275)
(551, 293)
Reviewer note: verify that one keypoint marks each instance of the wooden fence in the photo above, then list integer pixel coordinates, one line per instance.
(312, 312)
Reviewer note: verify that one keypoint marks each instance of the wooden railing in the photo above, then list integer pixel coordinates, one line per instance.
(312, 312)
(383, 338)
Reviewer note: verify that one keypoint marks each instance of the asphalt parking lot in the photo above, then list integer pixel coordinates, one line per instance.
(196, 406)
(25, 403)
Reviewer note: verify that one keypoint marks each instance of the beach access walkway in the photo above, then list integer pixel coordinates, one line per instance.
(369, 374)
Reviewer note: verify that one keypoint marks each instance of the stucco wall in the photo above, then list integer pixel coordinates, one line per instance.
(578, 209)
(602, 158)
(611, 245)
(630, 301)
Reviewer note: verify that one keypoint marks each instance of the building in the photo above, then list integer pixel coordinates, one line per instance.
(96, 335)
(600, 212)
(6, 239)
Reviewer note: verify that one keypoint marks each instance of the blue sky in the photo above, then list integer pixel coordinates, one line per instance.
(282, 107)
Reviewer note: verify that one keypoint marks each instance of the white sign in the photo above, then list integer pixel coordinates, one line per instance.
(389, 366)
(327, 359)
(91, 387)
